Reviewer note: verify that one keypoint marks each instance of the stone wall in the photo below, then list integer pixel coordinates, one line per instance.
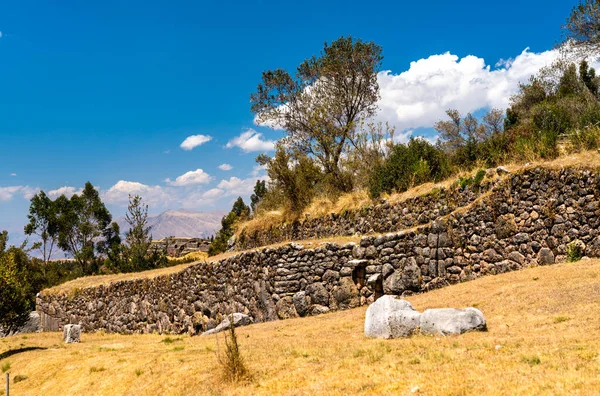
(382, 217)
(178, 247)
(529, 219)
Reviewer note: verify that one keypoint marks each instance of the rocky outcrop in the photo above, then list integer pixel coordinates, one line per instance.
(542, 212)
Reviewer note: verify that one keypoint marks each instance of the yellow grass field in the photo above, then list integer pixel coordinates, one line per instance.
(543, 338)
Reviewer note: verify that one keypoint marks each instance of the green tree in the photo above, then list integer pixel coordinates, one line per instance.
(83, 220)
(239, 211)
(294, 174)
(319, 106)
(43, 222)
(583, 26)
(260, 190)
(15, 289)
(138, 237)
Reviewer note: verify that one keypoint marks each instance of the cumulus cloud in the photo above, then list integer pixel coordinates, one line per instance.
(421, 95)
(193, 141)
(190, 178)
(119, 193)
(251, 140)
(237, 186)
(212, 193)
(225, 167)
(13, 174)
(67, 191)
(7, 193)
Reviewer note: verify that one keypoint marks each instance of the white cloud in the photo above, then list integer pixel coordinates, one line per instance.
(193, 141)
(1, 35)
(152, 195)
(251, 140)
(189, 178)
(13, 174)
(67, 191)
(7, 193)
(258, 171)
(237, 186)
(421, 95)
(225, 167)
(213, 193)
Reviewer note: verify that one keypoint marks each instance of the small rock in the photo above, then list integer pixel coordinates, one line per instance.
(502, 171)
(71, 333)
(239, 319)
(545, 256)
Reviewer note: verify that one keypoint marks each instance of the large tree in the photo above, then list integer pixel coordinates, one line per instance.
(15, 288)
(321, 103)
(83, 221)
(583, 27)
(43, 222)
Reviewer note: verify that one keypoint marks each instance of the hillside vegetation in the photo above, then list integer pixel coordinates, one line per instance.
(542, 339)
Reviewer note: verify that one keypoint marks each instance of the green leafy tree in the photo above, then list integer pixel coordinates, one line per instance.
(15, 289)
(43, 222)
(239, 211)
(319, 106)
(83, 220)
(260, 190)
(294, 174)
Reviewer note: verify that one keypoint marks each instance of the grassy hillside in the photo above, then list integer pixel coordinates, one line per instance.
(543, 338)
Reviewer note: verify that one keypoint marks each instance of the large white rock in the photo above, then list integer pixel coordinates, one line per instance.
(71, 333)
(391, 317)
(447, 321)
(239, 319)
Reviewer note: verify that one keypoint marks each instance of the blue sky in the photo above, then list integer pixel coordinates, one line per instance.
(108, 91)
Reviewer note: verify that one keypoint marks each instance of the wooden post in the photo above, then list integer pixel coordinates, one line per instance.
(7, 383)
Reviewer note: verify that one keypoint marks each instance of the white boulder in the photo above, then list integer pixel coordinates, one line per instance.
(391, 317)
(447, 321)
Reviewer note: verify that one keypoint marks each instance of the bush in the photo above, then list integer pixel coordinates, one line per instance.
(410, 164)
(234, 368)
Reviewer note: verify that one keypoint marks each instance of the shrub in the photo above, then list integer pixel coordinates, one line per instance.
(18, 378)
(410, 164)
(575, 250)
(234, 368)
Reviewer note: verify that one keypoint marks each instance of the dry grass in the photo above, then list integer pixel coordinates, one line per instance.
(542, 339)
(196, 256)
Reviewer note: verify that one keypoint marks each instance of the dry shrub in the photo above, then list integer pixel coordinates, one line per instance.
(232, 362)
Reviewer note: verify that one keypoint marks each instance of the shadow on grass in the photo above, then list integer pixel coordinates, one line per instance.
(6, 354)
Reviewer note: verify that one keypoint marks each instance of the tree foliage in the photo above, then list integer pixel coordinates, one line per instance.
(583, 26)
(43, 222)
(15, 286)
(239, 211)
(83, 219)
(319, 106)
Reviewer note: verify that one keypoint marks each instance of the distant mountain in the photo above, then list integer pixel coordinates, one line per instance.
(181, 223)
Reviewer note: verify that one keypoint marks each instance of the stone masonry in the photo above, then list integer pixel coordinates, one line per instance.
(531, 218)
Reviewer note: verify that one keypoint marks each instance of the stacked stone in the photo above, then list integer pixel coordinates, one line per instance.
(533, 218)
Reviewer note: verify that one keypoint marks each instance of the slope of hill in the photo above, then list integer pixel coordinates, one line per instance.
(542, 338)
(181, 223)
